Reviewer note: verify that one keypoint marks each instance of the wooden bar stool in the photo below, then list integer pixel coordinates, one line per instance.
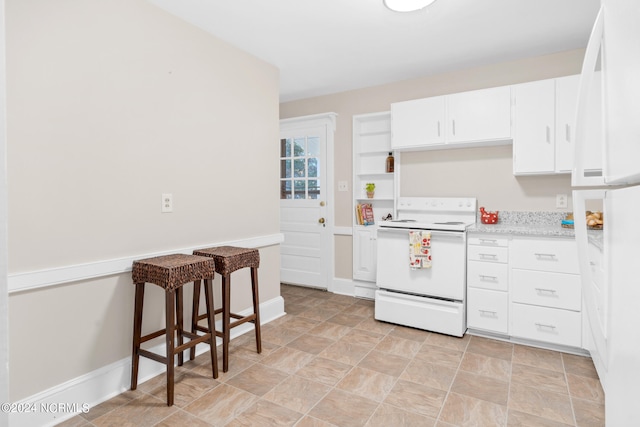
(171, 272)
(227, 260)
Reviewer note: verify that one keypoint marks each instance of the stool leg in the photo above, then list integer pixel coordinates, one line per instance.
(194, 313)
(180, 324)
(256, 307)
(137, 333)
(170, 320)
(208, 293)
(226, 320)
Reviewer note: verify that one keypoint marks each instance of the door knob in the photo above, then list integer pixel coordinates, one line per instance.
(322, 203)
(321, 220)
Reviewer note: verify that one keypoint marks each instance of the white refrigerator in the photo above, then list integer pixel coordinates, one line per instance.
(608, 120)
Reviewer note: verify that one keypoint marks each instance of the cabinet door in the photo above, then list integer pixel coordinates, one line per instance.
(364, 253)
(417, 123)
(533, 139)
(479, 115)
(487, 310)
(566, 107)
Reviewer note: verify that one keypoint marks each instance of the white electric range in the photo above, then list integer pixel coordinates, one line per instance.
(434, 297)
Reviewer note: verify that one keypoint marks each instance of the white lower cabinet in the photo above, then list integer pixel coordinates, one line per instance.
(488, 284)
(545, 294)
(526, 288)
(364, 253)
(487, 310)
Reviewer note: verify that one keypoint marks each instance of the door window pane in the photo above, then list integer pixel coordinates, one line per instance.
(312, 169)
(285, 148)
(313, 146)
(314, 189)
(299, 147)
(298, 167)
(285, 168)
(285, 189)
(300, 189)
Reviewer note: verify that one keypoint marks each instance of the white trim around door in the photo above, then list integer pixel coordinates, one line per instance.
(326, 209)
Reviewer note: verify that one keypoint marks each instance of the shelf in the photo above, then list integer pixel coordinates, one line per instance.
(375, 199)
(370, 226)
(377, 174)
(376, 152)
(375, 133)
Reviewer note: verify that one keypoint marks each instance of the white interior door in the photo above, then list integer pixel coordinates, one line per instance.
(304, 190)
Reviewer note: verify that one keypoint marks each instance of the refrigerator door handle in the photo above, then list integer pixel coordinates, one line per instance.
(578, 176)
(580, 228)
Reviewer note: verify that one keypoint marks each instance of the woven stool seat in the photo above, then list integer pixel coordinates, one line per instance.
(171, 272)
(228, 259)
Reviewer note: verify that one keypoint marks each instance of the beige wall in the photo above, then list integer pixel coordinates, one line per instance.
(110, 104)
(456, 172)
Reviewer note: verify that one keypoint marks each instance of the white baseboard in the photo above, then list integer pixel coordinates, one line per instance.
(353, 288)
(68, 399)
(342, 286)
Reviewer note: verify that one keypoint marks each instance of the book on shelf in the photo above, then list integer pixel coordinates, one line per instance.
(364, 214)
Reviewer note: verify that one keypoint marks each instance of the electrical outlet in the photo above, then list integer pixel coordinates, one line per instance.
(167, 202)
(561, 201)
(343, 186)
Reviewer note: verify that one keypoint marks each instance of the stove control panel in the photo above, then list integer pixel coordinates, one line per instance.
(437, 204)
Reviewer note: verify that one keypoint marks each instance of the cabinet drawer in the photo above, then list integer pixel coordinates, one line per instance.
(556, 255)
(487, 310)
(488, 241)
(550, 325)
(487, 253)
(546, 289)
(488, 275)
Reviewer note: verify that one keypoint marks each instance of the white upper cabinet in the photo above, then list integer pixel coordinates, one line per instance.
(566, 105)
(480, 117)
(544, 126)
(418, 123)
(534, 128)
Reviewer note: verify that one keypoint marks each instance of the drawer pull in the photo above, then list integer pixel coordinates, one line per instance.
(493, 256)
(542, 325)
(489, 240)
(488, 278)
(539, 255)
(485, 312)
(543, 290)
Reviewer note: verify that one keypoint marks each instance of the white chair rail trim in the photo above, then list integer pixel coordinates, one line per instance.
(54, 276)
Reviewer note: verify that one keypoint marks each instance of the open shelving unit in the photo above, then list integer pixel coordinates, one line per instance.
(371, 146)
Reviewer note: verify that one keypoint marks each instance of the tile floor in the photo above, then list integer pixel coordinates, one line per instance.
(329, 363)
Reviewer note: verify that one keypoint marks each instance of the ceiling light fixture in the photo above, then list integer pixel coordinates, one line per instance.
(407, 5)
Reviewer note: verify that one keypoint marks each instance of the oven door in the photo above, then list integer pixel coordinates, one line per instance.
(445, 279)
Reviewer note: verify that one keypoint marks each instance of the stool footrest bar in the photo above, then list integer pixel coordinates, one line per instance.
(153, 356)
(153, 335)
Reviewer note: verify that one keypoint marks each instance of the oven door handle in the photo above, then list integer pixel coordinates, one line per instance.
(460, 234)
